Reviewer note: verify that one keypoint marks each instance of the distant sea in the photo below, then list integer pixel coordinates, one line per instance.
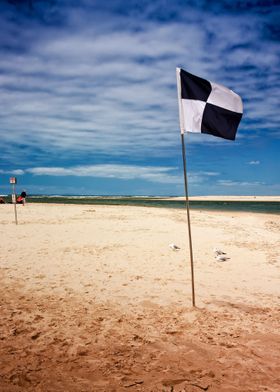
(272, 207)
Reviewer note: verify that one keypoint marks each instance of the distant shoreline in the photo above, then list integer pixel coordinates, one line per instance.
(229, 198)
(167, 198)
(249, 204)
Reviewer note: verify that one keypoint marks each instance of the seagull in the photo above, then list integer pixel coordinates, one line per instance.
(174, 247)
(218, 252)
(221, 258)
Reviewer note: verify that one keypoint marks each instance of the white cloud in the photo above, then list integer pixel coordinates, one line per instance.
(155, 174)
(17, 172)
(112, 92)
(123, 172)
(102, 88)
(254, 162)
(229, 183)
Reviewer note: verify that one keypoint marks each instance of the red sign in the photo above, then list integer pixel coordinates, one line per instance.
(13, 180)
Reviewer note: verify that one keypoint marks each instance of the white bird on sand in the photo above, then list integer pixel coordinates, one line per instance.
(218, 252)
(221, 258)
(174, 247)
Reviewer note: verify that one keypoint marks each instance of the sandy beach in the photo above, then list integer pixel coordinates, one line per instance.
(228, 198)
(94, 299)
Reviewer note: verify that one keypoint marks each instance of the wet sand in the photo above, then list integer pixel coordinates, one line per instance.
(94, 299)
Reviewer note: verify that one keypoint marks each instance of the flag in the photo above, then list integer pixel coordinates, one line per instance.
(207, 107)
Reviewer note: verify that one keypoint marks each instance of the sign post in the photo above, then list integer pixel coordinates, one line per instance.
(13, 182)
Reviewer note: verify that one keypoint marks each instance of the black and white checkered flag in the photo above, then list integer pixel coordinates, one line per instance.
(207, 107)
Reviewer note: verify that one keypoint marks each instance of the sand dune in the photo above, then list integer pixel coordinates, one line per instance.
(94, 299)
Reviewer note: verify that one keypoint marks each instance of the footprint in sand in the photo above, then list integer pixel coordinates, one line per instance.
(40, 276)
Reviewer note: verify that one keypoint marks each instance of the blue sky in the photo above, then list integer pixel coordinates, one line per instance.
(89, 103)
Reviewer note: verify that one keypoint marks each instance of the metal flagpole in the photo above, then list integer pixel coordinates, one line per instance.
(185, 178)
(15, 203)
(188, 214)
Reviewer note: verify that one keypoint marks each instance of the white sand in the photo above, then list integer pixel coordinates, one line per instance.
(93, 299)
(228, 198)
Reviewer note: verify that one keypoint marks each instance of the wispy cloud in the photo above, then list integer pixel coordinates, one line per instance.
(110, 87)
(155, 174)
(230, 183)
(89, 83)
(16, 172)
(124, 172)
(254, 163)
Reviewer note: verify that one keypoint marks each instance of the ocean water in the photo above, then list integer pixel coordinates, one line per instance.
(246, 206)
